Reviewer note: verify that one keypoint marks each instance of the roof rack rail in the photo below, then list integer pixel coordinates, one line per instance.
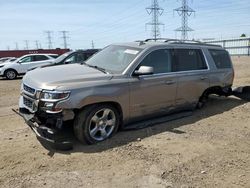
(183, 41)
(178, 41)
(152, 39)
(141, 42)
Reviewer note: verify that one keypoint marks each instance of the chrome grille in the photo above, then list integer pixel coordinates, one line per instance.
(27, 102)
(29, 89)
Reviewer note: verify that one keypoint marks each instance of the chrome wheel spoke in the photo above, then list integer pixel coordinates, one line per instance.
(110, 122)
(106, 113)
(104, 133)
(95, 118)
(94, 131)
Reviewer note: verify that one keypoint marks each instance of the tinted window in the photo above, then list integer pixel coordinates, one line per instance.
(26, 59)
(160, 60)
(221, 58)
(40, 58)
(189, 59)
(80, 57)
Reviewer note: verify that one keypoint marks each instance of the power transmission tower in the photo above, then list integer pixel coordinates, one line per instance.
(65, 37)
(26, 44)
(92, 44)
(155, 10)
(184, 11)
(16, 46)
(49, 38)
(37, 44)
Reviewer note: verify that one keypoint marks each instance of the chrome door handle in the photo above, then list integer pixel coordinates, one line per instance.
(170, 82)
(204, 78)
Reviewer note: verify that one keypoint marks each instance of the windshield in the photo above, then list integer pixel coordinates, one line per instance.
(61, 57)
(114, 59)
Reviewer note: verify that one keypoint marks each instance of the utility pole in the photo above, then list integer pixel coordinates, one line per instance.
(16, 46)
(49, 38)
(26, 44)
(65, 37)
(92, 44)
(184, 11)
(155, 10)
(37, 44)
(8, 48)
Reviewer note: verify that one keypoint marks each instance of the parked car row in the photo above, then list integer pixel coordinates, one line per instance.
(12, 67)
(5, 59)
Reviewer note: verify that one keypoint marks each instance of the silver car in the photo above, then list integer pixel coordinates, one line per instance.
(122, 84)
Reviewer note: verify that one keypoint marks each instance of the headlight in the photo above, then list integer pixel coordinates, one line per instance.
(53, 96)
(1, 66)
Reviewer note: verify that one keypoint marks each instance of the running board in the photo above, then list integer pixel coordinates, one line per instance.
(152, 122)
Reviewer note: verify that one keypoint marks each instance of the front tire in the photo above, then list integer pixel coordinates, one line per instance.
(10, 74)
(96, 123)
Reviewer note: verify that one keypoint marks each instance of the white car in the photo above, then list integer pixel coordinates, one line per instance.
(5, 59)
(20, 66)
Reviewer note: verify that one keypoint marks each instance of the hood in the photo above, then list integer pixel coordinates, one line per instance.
(66, 76)
(6, 63)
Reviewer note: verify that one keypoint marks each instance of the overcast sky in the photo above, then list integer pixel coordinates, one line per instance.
(109, 21)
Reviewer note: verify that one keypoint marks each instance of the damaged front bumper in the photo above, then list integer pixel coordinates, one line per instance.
(50, 137)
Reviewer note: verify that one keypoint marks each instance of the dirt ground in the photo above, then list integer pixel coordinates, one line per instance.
(209, 149)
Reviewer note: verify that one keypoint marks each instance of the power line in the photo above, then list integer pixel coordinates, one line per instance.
(65, 37)
(26, 44)
(184, 11)
(155, 10)
(37, 44)
(49, 38)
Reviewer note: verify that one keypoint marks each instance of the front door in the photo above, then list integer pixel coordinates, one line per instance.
(154, 94)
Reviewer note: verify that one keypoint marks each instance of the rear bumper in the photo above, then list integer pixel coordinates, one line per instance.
(47, 136)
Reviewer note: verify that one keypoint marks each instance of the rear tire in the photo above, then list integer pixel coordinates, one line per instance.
(96, 123)
(10, 74)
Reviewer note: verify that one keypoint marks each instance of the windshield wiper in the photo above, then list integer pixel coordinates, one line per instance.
(96, 67)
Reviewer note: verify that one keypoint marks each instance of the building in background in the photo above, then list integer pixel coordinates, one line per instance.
(19, 53)
(235, 46)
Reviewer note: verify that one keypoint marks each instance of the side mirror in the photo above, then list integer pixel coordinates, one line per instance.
(144, 70)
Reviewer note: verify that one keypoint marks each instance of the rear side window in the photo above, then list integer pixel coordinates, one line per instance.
(160, 60)
(188, 60)
(40, 58)
(221, 59)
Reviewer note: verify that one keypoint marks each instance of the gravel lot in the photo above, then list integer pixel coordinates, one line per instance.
(209, 149)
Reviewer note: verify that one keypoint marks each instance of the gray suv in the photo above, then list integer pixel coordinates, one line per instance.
(122, 84)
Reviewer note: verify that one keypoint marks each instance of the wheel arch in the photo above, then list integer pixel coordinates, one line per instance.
(10, 69)
(115, 104)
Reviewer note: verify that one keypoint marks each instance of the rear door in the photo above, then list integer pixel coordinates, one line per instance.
(193, 76)
(154, 94)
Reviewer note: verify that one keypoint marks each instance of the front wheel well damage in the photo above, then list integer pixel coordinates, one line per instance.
(114, 104)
